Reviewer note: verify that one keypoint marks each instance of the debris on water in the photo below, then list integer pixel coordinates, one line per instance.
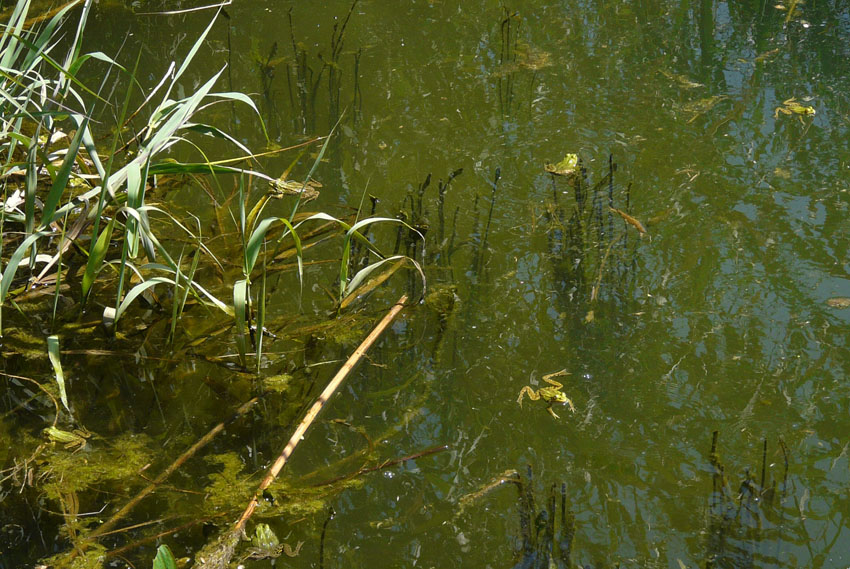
(838, 302)
(633, 221)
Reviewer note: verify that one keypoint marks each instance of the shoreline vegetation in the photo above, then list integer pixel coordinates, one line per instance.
(82, 233)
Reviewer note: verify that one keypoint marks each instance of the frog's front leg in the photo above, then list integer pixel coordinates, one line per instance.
(552, 411)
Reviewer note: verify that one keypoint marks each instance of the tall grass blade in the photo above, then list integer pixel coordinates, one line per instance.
(255, 242)
(60, 182)
(175, 305)
(189, 56)
(135, 190)
(261, 316)
(361, 275)
(136, 291)
(8, 42)
(44, 37)
(31, 186)
(74, 52)
(313, 168)
(346, 247)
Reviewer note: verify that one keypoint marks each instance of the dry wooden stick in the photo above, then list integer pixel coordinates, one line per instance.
(314, 410)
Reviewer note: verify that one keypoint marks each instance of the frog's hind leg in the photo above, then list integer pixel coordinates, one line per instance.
(526, 390)
(548, 377)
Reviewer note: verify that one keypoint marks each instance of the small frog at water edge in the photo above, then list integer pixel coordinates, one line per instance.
(76, 439)
(283, 187)
(551, 395)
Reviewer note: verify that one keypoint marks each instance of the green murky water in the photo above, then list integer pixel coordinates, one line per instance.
(717, 320)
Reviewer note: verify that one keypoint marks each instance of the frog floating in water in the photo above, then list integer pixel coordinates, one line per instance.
(566, 167)
(792, 107)
(264, 543)
(551, 395)
(283, 187)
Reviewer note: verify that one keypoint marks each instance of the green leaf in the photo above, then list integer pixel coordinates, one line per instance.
(135, 195)
(164, 558)
(8, 45)
(365, 271)
(173, 167)
(136, 291)
(198, 43)
(255, 242)
(53, 355)
(346, 247)
(208, 130)
(240, 308)
(95, 262)
(15, 262)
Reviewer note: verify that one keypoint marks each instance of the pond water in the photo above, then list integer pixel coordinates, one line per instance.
(721, 318)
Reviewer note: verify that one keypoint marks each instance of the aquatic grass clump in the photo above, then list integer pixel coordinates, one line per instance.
(66, 191)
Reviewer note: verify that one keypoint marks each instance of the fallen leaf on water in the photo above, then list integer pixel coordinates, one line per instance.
(838, 302)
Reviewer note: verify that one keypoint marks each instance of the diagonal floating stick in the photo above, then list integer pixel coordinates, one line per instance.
(314, 411)
(217, 554)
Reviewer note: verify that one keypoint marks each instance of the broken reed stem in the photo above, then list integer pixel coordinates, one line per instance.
(594, 293)
(314, 411)
(203, 441)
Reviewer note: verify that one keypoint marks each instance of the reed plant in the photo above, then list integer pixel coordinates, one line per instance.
(59, 188)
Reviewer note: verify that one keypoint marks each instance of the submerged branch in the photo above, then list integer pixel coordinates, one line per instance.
(219, 553)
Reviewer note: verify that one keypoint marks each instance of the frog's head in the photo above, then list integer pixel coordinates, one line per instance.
(559, 397)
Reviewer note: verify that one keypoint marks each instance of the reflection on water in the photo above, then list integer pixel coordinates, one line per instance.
(716, 320)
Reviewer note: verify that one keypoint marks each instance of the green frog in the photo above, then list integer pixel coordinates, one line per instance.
(551, 395)
(77, 439)
(283, 187)
(265, 544)
(566, 167)
(792, 107)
